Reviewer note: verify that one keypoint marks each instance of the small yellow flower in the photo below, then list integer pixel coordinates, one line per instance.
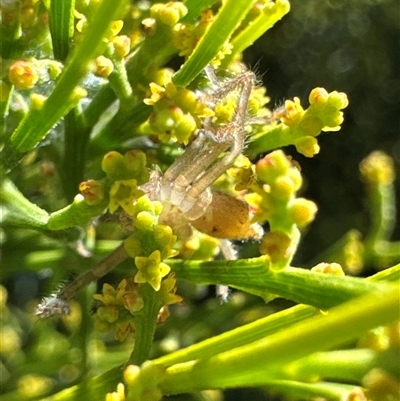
(123, 193)
(294, 112)
(168, 291)
(151, 269)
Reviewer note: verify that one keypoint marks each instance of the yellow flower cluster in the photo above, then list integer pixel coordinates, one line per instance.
(186, 36)
(270, 190)
(323, 114)
(117, 307)
(150, 243)
(177, 111)
(126, 173)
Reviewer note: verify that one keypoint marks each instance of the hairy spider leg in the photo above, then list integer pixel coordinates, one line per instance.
(57, 303)
(186, 182)
(231, 135)
(200, 154)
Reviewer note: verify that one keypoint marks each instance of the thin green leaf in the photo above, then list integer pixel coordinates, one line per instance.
(240, 336)
(61, 21)
(225, 23)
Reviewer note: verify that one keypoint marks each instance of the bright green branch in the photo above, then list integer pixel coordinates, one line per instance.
(256, 363)
(254, 276)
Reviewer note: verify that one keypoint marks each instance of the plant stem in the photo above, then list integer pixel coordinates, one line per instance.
(145, 325)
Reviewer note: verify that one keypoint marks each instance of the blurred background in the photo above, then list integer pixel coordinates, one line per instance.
(344, 45)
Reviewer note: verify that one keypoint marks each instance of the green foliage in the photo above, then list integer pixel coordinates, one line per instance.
(93, 129)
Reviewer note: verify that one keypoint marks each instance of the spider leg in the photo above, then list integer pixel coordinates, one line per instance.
(231, 135)
(187, 167)
(186, 182)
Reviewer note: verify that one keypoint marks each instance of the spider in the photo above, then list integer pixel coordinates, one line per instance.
(185, 190)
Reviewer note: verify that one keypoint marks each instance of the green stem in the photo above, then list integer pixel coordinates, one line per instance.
(61, 20)
(240, 336)
(74, 154)
(118, 79)
(145, 325)
(254, 276)
(344, 365)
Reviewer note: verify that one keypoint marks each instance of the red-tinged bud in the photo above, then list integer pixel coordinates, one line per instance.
(23, 75)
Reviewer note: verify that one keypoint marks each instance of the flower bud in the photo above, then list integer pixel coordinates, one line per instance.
(276, 244)
(112, 163)
(378, 168)
(103, 67)
(23, 75)
(37, 101)
(144, 221)
(122, 45)
(329, 268)
(272, 166)
(307, 146)
(92, 191)
(318, 98)
(302, 211)
(282, 188)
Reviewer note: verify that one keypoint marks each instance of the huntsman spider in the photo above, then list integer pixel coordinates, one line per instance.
(185, 189)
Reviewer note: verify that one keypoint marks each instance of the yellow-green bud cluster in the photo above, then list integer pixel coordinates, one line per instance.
(186, 37)
(125, 173)
(323, 114)
(177, 111)
(272, 198)
(275, 199)
(117, 308)
(150, 243)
